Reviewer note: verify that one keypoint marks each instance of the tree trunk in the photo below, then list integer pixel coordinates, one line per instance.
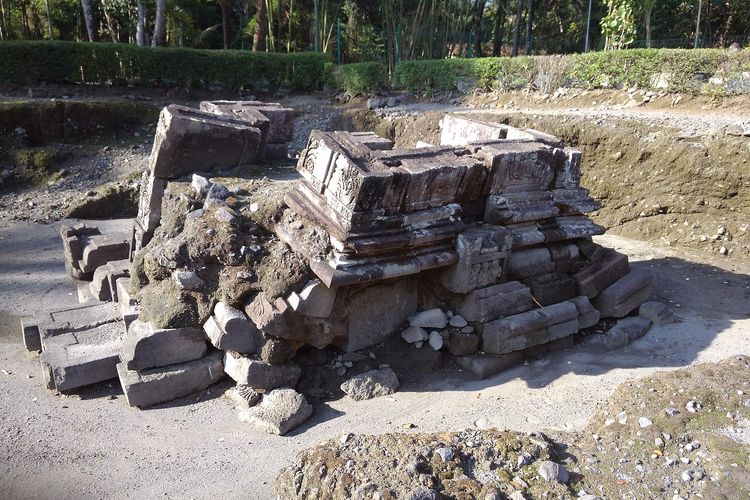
(88, 16)
(140, 24)
(3, 23)
(529, 26)
(279, 11)
(111, 26)
(261, 26)
(497, 36)
(517, 29)
(226, 22)
(648, 28)
(477, 22)
(698, 24)
(49, 20)
(291, 16)
(161, 10)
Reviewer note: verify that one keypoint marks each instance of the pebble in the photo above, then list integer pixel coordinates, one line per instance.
(445, 453)
(644, 422)
(687, 476)
(467, 329)
(551, 471)
(458, 321)
(436, 341)
(692, 406)
(672, 411)
(432, 318)
(414, 334)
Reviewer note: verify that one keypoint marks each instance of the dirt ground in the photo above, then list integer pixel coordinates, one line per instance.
(93, 445)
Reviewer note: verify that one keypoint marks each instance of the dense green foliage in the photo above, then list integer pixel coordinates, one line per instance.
(358, 78)
(384, 30)
(673, 69)
(117, 64)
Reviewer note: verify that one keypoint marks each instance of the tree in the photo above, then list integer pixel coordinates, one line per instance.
(226, 22)
(529, 21)
(161, 10)
(140, 24)
(478, 12)
(618, 26)
(648, 6)
(517, 29)
(261, 26)
(88, 16)
(497, 36)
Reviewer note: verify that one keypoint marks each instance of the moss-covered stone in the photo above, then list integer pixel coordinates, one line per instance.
(110, 200)
(166, 306)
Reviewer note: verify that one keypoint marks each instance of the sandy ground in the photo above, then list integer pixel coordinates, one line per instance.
(92, 445)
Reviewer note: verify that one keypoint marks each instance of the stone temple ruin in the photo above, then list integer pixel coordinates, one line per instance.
(479, 247)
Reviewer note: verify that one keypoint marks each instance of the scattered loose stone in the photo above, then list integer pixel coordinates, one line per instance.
(644, 422)
(432, 318)
(458, 321)
(672, 411)
(200, 184)
(692, 406)
(552, 471)
(372, 384)
(280, 411)
(436, 341)
(445, 453)
(187, 280)
(414, 334)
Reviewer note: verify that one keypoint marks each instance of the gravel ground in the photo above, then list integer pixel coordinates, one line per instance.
(93, 445)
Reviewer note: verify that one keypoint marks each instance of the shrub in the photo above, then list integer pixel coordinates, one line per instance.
(119, 64)
(641, 67)
(361, 78)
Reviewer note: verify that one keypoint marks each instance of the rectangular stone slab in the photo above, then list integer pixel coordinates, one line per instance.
(148, 347)
(519, 167)
(456, 130)
(493, 302)
(482, 254)
(72, 319)
(102, 248)
(625, 294)
(527, 329)
(188, 140)
(77, 359)
(30, 333)
(158, 385)
(599, 275)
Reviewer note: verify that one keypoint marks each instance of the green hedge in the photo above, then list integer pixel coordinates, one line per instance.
(642, 67)
(360, 78)
(121, 64)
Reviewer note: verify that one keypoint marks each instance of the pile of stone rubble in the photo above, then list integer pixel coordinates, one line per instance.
(479, 248)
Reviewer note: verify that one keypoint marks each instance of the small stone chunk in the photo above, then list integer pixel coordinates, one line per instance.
(280, 411)
(200, 184)
(261, 376)
(658, 313)
(414, 334)
(551, 471)
(187, 280)
(372, 384)
(432, 318)
(435, 341)
(457, 321)
(148, 347)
